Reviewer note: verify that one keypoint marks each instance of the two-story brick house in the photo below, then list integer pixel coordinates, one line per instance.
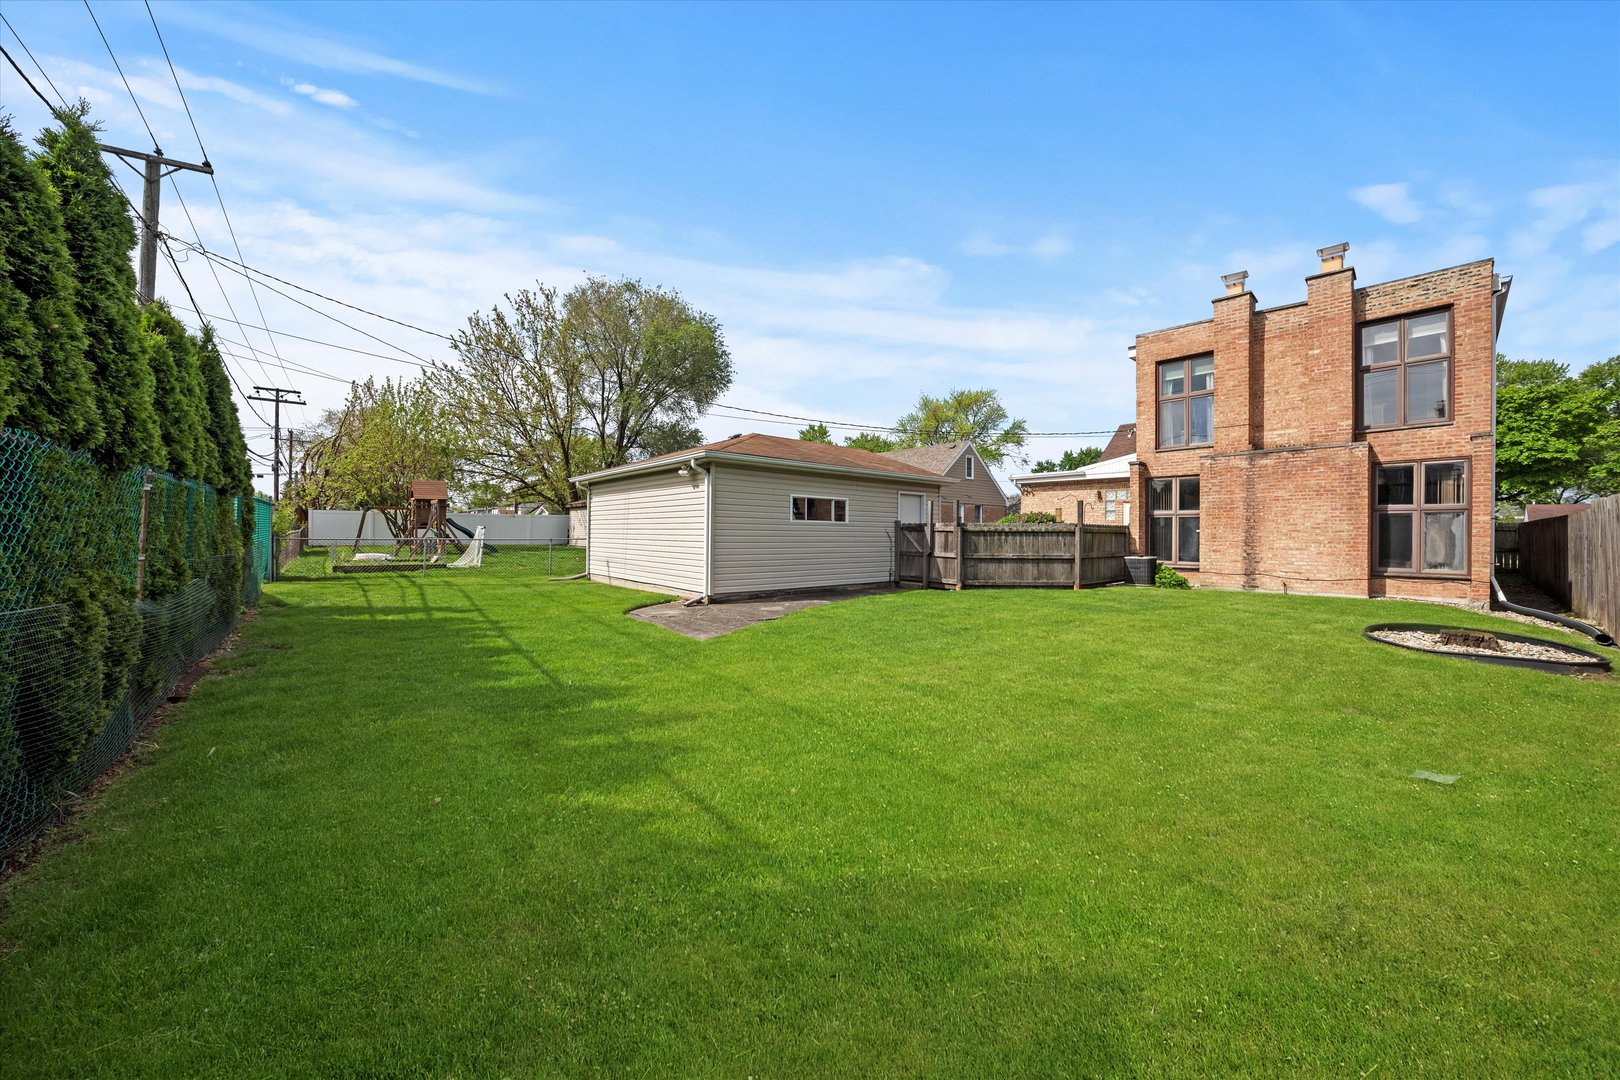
(1340, 445)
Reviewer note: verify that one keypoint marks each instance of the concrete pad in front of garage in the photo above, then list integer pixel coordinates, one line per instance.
(703, 621)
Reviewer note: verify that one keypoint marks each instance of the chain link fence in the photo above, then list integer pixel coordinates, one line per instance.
(96, 629)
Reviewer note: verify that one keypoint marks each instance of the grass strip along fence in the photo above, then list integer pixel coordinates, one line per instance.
(93, 639)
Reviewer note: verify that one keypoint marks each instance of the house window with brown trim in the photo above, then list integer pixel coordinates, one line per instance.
(1406, 371)
(1421, 521)
(1175, 519)
(1187, 402)
(815, 508)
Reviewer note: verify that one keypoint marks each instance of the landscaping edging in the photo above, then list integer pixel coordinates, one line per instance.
(1593, 664)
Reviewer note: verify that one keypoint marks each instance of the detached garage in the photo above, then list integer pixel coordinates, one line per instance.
(752, 514)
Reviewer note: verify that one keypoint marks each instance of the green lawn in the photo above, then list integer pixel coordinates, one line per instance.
(464, 825)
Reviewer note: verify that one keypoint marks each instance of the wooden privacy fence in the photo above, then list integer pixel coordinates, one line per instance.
(1576, 559)
(1507, 545)
(1019, 556)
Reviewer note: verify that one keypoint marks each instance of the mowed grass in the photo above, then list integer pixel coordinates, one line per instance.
(473, 826)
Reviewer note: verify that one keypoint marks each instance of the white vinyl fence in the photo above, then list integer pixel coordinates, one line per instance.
(498, 528)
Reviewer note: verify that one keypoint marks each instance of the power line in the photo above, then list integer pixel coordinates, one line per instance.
(327, 344)
(245, 270)
(233, 266)
(173, 262)
(220, 285)
(175, 75)
(37, 64)
(332, 299)
(156, 149)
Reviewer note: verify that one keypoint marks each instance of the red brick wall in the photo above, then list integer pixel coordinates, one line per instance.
(1059, 498)
(1287, 485)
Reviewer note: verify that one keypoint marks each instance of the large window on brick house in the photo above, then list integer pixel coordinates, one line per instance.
(1174, 536)
(1421, 521)
(1406, 371)
(1187, 402)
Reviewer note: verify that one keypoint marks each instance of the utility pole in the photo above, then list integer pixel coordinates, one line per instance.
(152, 174)
(292, 469)
(277, 396)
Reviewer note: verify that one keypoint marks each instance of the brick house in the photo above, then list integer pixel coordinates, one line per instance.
(1340, 445)
(1103, 488)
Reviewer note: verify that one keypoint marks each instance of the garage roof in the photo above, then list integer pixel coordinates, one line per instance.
(775, 449)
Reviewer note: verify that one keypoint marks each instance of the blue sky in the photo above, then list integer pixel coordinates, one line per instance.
(873, 200)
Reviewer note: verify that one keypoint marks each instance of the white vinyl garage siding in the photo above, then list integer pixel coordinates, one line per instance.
(648, 530)
(758, 547)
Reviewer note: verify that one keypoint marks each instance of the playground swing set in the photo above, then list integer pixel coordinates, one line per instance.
(428, 537)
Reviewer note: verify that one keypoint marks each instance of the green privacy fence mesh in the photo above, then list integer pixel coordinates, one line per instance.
(84, 663)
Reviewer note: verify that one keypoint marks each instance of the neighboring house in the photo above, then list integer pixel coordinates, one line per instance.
(1103, 488)
(752, 514)
(974, 487)
(1343, 444)
(1121, 444)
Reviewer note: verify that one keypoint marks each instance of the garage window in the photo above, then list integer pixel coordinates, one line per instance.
(815, 508)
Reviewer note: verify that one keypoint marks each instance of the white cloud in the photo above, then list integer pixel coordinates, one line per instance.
(1561, 207)
(292, 41)
(1392, 202)
(335, 98)
(1050, 245)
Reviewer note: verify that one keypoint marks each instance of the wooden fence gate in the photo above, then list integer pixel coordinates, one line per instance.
(1018, 556)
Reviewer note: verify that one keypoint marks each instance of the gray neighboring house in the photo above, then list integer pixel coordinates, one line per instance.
(972, 484)
(752, 514)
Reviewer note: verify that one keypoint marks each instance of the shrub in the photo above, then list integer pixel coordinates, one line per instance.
(1033, 517)
(1167, 578)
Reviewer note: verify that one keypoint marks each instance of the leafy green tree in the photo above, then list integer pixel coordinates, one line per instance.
(816, 433)
(1547, 428)
(1603, 450)
(386, 436)
(182, 407)
(976, 416)
(44, 374)
(561, 385)
(871, 442)
(1071, 459)
(100, 237)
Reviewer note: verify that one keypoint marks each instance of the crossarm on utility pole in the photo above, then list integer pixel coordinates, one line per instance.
(152, 175)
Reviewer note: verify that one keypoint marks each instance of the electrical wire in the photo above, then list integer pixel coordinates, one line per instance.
(229, 265)
(156, 149)
(36, 63)
(242, 266)
(175, 75)
(220, 285)
(327, 344)
(175, 264)
(214, 181)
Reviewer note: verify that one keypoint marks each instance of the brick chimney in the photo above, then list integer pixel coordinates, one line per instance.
(1235, 283)
(1332, 257)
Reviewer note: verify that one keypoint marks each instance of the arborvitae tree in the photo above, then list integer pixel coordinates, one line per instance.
(100, 237)
(47, 371)
(182, 408)
(224, 428)
(19, 352)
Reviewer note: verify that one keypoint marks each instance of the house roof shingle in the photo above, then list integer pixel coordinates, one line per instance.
(796, 450)
(935, 457)
(1123, 443)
